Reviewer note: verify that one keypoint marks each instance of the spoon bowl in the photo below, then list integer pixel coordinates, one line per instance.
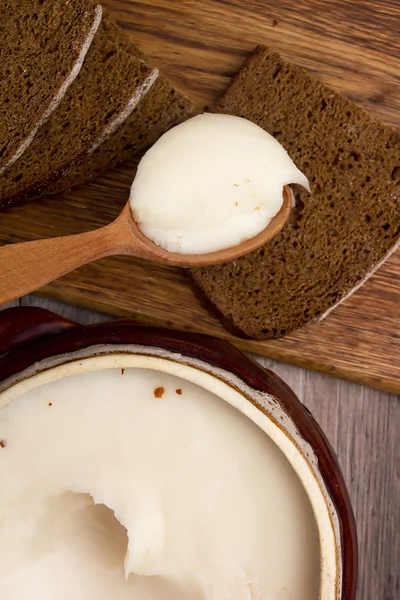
(220, 256)
(26, 266)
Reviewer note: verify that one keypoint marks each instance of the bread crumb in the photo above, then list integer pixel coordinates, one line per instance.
(50, 404)
(236, 184)
(122, 371)
(257, 208)
(2, 444)
(236, 203)
(179, 391)
(159, 392)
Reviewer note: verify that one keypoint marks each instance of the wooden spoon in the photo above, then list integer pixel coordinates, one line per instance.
(27, 266)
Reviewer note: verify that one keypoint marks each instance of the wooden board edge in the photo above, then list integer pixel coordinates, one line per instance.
(389, 384)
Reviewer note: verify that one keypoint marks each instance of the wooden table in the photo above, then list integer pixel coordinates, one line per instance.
(363, 426)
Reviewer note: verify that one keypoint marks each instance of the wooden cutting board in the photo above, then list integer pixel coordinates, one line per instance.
(353, 46)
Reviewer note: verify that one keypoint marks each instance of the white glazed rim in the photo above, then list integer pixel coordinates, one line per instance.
(263, 409)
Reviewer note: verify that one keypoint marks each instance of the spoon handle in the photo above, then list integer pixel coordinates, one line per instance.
(27, 266)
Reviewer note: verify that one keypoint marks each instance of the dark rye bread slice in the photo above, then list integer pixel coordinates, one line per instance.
(114, 79)
(83, 135)
(335, 237)
(108, 79)
(161, 108)
(43, 44)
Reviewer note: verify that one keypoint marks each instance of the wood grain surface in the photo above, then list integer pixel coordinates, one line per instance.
(362, 425)
(353, 46)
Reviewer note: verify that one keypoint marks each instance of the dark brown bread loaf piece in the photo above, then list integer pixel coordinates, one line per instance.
(162, 108)
(42, 47)
(109, 78)
(335, 237)
(108, 94)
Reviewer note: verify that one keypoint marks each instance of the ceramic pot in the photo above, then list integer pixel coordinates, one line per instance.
(37, 346)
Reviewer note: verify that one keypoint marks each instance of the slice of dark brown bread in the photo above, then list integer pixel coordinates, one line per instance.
(43, 44)
(109, 91)
(335, 237)
(162, 107)
(108, 79)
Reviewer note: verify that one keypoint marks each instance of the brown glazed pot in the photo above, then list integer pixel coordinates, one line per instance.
(37, 346)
